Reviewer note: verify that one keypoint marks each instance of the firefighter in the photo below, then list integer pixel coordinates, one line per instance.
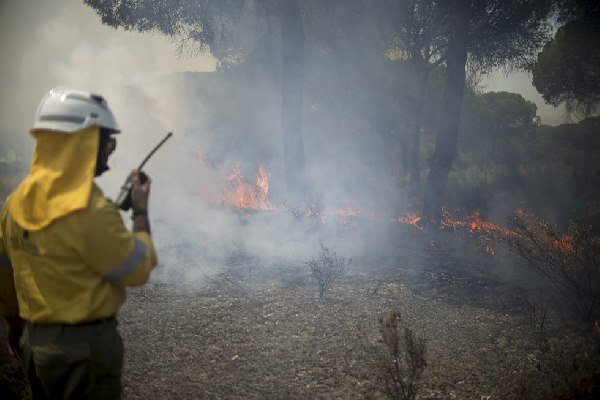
(65, 255)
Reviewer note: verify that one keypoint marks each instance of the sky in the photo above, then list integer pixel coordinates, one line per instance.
(46, 43)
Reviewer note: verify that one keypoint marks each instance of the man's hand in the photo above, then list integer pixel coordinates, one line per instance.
(139, 202)
(139, 191)
(15, 331)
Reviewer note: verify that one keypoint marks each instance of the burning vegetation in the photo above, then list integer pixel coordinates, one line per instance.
(570, 261)
(241, 195)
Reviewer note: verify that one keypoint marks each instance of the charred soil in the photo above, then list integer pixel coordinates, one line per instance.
(265, 333)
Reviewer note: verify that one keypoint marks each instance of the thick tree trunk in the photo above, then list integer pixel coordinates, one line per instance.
(403, 135)
(446, 140)
(292, 60)
(414, 170)
(414, 143)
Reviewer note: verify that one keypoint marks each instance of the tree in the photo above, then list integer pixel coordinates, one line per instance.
(492, 33)
(292, 59)
(214, 25)
(568, 69)
(446, 140)
(494, 116)
(420, 39)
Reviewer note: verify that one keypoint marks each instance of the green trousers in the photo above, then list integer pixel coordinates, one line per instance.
(83, 361)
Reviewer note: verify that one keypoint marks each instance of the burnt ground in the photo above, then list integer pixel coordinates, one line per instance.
(258, 330)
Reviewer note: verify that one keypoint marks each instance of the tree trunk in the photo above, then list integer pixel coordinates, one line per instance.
(403, 135)
(417, 123)
(494, 142)
(447, 134)
(292, 60)
(414, 142)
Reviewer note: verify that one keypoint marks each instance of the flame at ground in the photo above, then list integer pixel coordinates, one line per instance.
(344, 216)
(242, 195)
(411, 219)
(473, 223)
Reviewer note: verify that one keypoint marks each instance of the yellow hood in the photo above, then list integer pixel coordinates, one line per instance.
(60, 179)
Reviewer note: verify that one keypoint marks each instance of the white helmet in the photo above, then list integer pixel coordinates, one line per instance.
(70, 110)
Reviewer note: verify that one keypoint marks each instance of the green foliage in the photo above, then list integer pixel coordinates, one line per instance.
(506, 110)
(500, 32)
(568, 69)
(546, 170)
(197, 26)
(490, 120)
(475, 186)
(508, 33)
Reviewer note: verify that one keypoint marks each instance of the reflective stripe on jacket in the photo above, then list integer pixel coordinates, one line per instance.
(76, 268)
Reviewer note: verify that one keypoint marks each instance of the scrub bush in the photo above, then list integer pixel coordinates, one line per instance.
(326, 269)
(570, 261)
(403, 363)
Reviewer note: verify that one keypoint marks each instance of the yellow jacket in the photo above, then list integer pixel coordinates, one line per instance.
(67, 260)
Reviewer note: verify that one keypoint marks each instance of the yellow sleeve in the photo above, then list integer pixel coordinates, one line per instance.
(8, 297)
(118, 255)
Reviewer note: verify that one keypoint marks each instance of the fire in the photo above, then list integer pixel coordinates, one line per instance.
(262, 183)
(564, 244)
(239, 194)
(242, 195)
(473, 223)
(477, 224)
(411, 219)
(489, 249)
(345, 212)
(344, 216)
(449, 222)
(313, 210)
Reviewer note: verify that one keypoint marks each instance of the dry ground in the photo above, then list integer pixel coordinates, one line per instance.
(263, 333)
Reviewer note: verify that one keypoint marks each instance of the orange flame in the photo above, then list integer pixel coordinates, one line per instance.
(473, 224)
(411, 219)
(477, 224)
(564, 244)
(345, 216)
(239, 194)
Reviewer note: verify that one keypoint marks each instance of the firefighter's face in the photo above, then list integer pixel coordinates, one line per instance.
(108, 144)
(111, 145)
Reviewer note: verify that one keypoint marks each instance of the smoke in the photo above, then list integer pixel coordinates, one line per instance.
(220, 121)
(50, 43)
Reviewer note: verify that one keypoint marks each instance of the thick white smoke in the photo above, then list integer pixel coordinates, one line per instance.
(220, 121)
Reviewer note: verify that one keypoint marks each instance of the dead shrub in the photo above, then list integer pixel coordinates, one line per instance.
(403, 363)
(310, 209)
(326, 269)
